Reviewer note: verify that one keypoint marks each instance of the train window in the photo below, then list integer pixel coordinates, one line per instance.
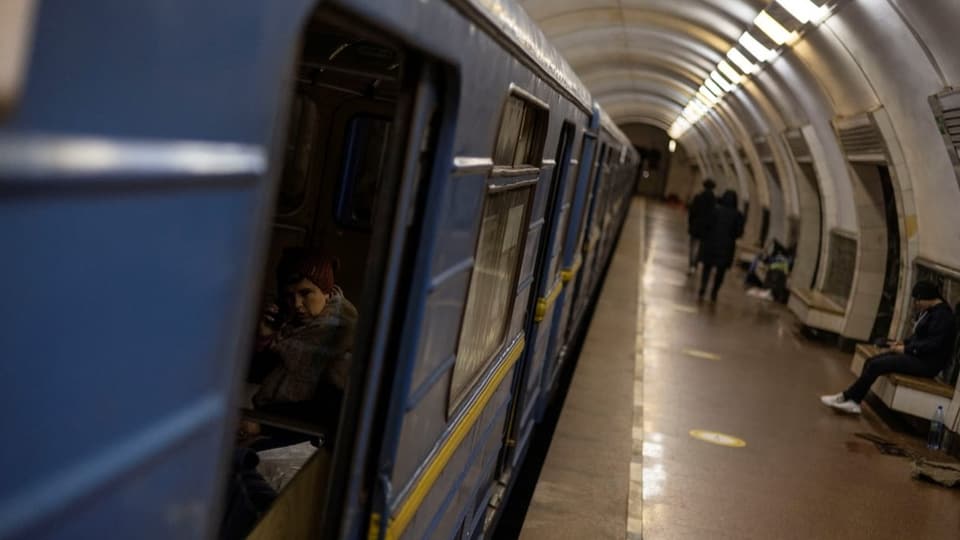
(510, 123)
(520, 139)
(297, 153)
(492, 286)
(368, 140)
(564, 153)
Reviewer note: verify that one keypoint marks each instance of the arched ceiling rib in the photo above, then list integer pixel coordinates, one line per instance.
(644, 58)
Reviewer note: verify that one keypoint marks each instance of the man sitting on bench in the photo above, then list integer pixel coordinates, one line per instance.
(924, 354)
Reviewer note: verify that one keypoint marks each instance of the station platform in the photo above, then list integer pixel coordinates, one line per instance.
(702, 421)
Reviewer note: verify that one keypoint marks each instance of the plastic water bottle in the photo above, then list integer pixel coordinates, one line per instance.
(936, 430)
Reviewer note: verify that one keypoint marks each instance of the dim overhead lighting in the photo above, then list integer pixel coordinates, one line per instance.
(703, 103)
(742, 62)
(756, 48)
(729, 72)
(725, 84)
(711, 97)
(804, 10)
(713, 87)
(772, 28)
(698, 107)
(672, 146)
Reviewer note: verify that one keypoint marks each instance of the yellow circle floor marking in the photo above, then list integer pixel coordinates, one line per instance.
(700, 354)
(718, 438)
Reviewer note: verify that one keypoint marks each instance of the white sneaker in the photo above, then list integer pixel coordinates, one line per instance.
(837, 401)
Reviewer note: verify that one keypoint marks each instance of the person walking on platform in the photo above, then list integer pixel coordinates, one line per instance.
(699, 212)
(722, 227)
(924, 354)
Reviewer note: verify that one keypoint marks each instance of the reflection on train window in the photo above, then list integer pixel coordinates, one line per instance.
(492, 287)
(520, 139)
(297, 153)
(368, 140)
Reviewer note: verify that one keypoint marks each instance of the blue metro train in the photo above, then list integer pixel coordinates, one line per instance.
(157, 162)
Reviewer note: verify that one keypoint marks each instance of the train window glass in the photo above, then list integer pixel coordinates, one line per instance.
(520, 139)
(530, 142)
(510, 124)
(302, 133)
(367, 144)
(564, 154)
(492, 286)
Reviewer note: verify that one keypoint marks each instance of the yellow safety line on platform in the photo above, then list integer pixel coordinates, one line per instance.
(543, 304)
(409, 507)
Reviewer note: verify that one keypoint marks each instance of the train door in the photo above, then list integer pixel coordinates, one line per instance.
(587, 240)
(360, 143)
(572, 255)
(460, 335)
(528, 388)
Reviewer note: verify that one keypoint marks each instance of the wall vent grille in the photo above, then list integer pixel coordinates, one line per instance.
(798, 145)
(763, 149)
(946, 111)
(860, 139)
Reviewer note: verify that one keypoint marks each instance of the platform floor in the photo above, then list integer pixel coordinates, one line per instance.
(656, 365)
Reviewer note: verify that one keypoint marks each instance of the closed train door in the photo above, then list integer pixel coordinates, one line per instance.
(547, 284)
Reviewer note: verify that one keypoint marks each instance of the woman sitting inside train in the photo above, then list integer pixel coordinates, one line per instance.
(303, 351)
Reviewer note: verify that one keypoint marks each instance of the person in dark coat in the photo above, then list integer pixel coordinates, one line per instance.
(924, 354)
(697, 216)
(722, 228)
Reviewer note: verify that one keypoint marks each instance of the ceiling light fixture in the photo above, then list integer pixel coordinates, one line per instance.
(756, 48)
(714, 88)
(772, 28)
(804, 10)
(742, 61)
(729, 72)
(724, 83)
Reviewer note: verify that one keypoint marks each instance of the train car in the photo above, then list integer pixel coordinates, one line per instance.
(408, 206)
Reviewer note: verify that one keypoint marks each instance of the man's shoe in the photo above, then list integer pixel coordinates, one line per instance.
(837, 401)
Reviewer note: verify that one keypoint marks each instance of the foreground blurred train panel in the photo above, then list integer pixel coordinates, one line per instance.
(152, 178)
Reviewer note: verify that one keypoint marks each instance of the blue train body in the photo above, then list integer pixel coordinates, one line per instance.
(141, 172)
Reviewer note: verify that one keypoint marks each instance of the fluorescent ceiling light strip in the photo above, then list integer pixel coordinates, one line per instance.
(697, 107)
(714, 88)
(725, 84)
(705, 103)
(711, 98)
(804, 10)
(742, 61)
(729, 72)
(756, 48)
(772, 28)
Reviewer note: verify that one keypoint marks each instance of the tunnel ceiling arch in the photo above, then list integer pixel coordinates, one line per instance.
(657, 51)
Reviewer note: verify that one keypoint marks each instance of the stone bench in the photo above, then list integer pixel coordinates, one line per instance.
(816, 310)
(746, 252)
(917, 396)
